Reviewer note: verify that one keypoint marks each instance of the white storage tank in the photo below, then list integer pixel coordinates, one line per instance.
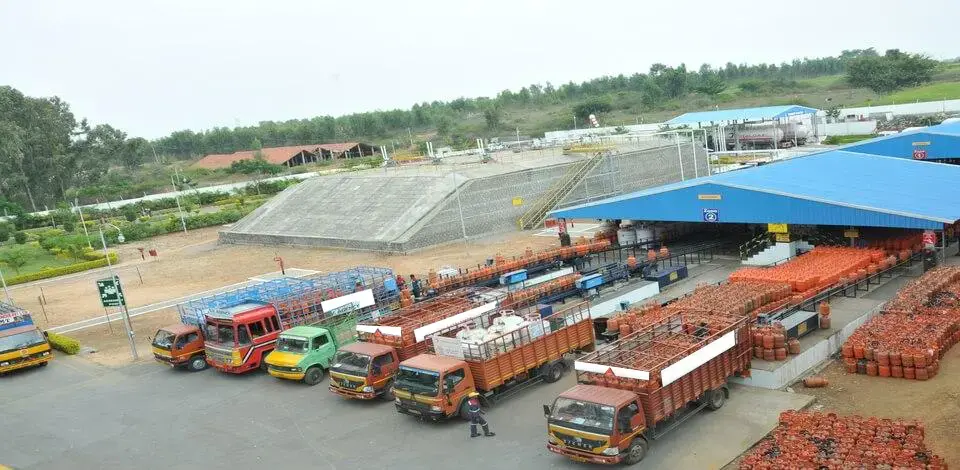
(627, 236)
(644, 233)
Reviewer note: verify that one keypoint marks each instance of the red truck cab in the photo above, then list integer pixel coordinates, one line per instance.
(364, 371)
(598, 425)
(180, 345)
(240, 337)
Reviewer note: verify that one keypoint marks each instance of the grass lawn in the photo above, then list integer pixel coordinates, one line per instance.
(39, 259)
(932, 92)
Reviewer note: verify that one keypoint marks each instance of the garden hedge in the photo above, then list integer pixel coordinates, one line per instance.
(63, 343)
(61, 270)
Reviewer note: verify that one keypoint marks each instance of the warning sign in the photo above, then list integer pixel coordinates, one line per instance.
(919, 154)
(929, 239)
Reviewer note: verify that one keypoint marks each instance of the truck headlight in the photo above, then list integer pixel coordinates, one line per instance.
(4, 364)
(46, 353)
(397, 401)
(296, 369)
(553, 439)
(367, 389)
(611, 451)
(434, 408)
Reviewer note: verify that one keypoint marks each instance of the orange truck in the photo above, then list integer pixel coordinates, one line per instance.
(436, 385)
(646, 384)
(364, 370)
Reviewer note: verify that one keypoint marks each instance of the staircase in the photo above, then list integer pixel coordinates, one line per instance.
(538, 211)
(754, 245)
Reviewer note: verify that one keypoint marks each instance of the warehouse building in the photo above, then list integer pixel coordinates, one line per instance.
(940, 143)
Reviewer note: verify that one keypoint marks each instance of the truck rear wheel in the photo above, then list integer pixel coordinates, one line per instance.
(552, 372)
(197, 363)
(313, 375)
(636, 452)
(716, 398)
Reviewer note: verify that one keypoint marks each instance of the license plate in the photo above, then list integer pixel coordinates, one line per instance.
(576, 458)
(414, 412)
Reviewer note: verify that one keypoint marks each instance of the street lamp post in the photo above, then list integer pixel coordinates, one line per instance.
(5, 291)
(113, 275)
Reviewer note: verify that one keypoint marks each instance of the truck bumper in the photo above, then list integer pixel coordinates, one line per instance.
(346, 393)
(578, 456)
(231, 369)
(433, 415)
(26, 364)
(285, 375)
(167, 360)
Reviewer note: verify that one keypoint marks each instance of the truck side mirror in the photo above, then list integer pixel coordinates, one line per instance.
(46, 335)
(546, 411)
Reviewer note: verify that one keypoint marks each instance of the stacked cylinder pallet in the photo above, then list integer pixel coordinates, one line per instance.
(821, 268)
(825, 440)
(530, 295)
(503, 265)
(770, 343)
(915, 330)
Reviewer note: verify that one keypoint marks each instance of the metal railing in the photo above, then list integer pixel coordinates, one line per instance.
(538, 212)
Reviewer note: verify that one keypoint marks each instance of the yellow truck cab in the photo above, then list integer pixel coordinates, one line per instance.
(22, 344)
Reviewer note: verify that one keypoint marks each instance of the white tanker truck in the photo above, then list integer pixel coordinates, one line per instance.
(763, 135)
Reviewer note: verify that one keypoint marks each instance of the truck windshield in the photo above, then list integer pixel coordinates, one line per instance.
(351, 363)
(164, 339)
(220, 334)
(419, 381)
(583, 416)
(293, 344)
(21, 340)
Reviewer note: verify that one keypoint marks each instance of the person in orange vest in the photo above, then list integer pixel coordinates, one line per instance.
(476, 416)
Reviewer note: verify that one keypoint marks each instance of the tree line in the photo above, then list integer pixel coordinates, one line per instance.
(47, 155)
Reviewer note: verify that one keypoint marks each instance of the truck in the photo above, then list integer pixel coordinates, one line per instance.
(365, 369)
(306, 352)
(239, 328)
(646, 384)
(22, 343)
(435, 385)
(180, 345)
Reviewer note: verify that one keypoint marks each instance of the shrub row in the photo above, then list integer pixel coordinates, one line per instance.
(63, 343)
(46, 273)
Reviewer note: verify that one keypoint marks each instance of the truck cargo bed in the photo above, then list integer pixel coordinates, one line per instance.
(498, 361)
(673, 362)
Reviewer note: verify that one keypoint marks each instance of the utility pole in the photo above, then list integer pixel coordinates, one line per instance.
(123, 304)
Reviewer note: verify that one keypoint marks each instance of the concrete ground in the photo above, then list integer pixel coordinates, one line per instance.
(74, 414)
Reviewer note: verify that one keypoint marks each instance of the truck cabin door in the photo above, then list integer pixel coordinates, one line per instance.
(384, 366)
(629, 419)
(323, 345)
(455, 387)
(185, 344)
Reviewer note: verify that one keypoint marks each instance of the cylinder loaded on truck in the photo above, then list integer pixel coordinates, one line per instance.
(22, 344)
(502, 353)
(365, 369)
(645, 384)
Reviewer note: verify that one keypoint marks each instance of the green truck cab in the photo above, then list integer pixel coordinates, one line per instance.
(305, 352)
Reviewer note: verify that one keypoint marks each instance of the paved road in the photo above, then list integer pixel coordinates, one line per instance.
(72, 414)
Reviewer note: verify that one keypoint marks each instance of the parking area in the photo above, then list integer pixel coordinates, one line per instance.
(75, 414)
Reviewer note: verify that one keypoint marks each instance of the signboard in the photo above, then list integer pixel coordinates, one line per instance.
(711, 215)
(777, 228)
(518, 201)
(851, 233)
(921, 144)
(10, 318)
(929, 239)
(919, 154)
(709, 197)
(449, 347)
(111, 292)
(783, 238)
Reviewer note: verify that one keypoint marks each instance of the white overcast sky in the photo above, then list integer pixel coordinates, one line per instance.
(151, 67)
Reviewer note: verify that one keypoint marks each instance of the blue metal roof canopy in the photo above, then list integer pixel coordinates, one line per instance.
(935, 143)
(765, 113)
(829, 188)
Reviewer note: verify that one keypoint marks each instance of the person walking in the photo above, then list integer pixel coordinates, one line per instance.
(476, 416)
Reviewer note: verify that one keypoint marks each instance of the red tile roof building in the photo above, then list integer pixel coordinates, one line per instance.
(291, 155)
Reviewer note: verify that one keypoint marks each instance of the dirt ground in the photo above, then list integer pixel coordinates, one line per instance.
(194, 262)
(935, 402)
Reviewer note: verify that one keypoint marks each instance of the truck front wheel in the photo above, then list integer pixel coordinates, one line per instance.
(553, 372)
(197, 363)
(313, 375)
(636, 452)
